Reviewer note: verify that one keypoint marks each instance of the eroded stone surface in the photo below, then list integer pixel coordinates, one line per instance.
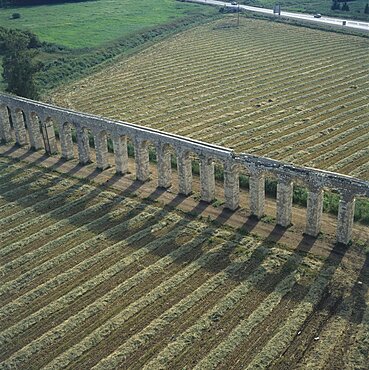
(15, 109)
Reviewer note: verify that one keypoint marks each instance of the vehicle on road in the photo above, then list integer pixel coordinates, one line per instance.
(234, 3)
(318, 15)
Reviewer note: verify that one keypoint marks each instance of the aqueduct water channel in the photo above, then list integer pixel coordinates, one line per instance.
(29, 122)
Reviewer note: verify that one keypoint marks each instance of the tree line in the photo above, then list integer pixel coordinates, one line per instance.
(10, 3)
(19, 50)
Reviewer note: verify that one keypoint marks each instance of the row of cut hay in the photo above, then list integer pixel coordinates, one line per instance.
(185, 95)
(294, 129)
(94, 219)
(40, 226)
(200, 66)
(326, 321)
(165, 288)
(54, 200)
(53, 221)
(233, 75)
(164, 75)
(115, 248)
(219, 98)
(188, 338)
(290, 330)
(55, 335)
(268, 125)
(13, 191)
(74, 239)
(358, 352)
(176, 312)
(22, 331)
(323, 145)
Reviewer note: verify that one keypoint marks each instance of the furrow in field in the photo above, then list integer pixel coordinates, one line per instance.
(72, 248)
(126, 252)
(54, 336)
(32, 236)
(308, 316)
(96, 282)
(74, 201)
(165, 328)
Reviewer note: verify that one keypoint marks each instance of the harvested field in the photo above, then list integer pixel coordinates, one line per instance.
(276, 90)
(94, 278)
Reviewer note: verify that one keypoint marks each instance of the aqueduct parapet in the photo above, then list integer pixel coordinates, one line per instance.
(27, 121)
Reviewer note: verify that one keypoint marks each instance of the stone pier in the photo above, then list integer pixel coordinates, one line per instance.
(120, 154)
(5, 128)
(314, 211)
(101, 148)
(257, 194)
(207, 179)
(142, 160)
(231, 187)
(15, 110)
(83, 146)
(345, 220)
(284, 201)
(19, 128)
(48, 134)
(184, 168)
(66, 141)
(164, 166)
(35, 137)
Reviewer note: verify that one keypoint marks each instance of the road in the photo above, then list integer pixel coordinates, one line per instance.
(359, 25)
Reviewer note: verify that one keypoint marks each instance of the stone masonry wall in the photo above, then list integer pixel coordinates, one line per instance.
(29, 122)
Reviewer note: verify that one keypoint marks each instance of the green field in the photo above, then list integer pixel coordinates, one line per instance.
(315, 6)
(270, 89)
(83, 35)
(92, 23)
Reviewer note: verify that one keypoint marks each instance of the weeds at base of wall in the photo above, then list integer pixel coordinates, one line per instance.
(300, 194)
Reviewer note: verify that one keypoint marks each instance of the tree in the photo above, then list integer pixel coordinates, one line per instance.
(345, 7)
(366, 10)
(335, 5)
(20, 66)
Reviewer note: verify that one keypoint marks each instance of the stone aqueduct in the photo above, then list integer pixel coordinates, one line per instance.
(31, 122)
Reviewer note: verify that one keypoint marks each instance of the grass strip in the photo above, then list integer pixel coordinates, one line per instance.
(109, 326)
(173, 313)
(187, 338)
(245, 327)
(284, 337)
(65, 300)
(102, 201)
(22, 280)
(101, 304)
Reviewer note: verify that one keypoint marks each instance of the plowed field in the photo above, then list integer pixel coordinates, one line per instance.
(275, 90)
(92, 278)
